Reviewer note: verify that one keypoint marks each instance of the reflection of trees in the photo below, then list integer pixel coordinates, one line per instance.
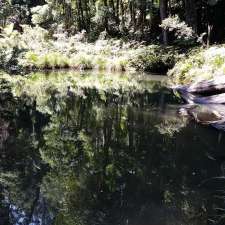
(3, 132)
(171, 126)
(20, 162)
(114, 158)
(112, 163)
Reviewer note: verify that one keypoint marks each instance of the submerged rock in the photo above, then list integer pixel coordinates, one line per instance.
(212, 114)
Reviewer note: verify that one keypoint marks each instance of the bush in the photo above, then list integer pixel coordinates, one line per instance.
(81, 61)
(183, 33)
(154, 59)
(9, 59)
(100, 63)
(201, 64)
(36, 49)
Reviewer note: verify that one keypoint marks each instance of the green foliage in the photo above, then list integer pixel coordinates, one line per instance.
(132, 19)
(48, 61)
(81, 61)
(9, 59)
(154, 58)
(40, 51)
(42, 15)
(183, 33)
(6, 10)
(200, 64)
(100, 63)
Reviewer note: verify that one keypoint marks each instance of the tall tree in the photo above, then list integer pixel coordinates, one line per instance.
(191, 13)
(163, 4)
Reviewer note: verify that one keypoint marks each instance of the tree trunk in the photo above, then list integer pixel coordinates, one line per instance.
(191, 14)
(79, 21)
(205, 87)
(142, 15)
(87, 15)
(163, 15)
(106, 23)
(122, 15)
(132, 14)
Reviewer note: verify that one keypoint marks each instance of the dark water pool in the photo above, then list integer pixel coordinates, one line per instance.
(79, 155)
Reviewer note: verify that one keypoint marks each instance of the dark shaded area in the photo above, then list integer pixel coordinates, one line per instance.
(21, 168)
(127, 159)
(138, 20)
(216, 15)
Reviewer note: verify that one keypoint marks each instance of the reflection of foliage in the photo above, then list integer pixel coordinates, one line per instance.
(110, 159)
(171, 126)
(20, 165)
(98, 156)
(46, 88)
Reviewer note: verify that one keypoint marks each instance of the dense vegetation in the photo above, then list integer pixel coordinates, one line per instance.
(139, 19)
(201, 64)
(33, 50)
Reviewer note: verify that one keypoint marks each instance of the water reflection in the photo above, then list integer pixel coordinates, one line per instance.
(121, 155)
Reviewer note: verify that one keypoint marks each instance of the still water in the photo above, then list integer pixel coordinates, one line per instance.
(87, 149)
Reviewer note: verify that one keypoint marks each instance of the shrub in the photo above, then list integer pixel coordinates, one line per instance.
(201, 64)
(9, 58)
(100, 63)
(41, 14)
(35, 49)
(153, 59)
(31, 58)
(183, 33)
(81, 61)
(121, 63)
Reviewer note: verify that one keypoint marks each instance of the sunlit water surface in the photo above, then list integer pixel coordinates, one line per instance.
(105, 149)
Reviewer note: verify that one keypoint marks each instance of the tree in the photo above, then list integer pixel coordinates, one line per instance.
(191, 13)
(163, 15)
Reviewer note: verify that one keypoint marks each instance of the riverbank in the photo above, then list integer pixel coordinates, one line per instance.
(200, 81)
(35, 49)
(200, 65)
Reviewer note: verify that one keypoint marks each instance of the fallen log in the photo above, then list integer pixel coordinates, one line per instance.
(197, 99)
(207, 101)
(206, 87)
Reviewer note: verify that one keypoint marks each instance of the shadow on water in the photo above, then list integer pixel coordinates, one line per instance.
(89, 152)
